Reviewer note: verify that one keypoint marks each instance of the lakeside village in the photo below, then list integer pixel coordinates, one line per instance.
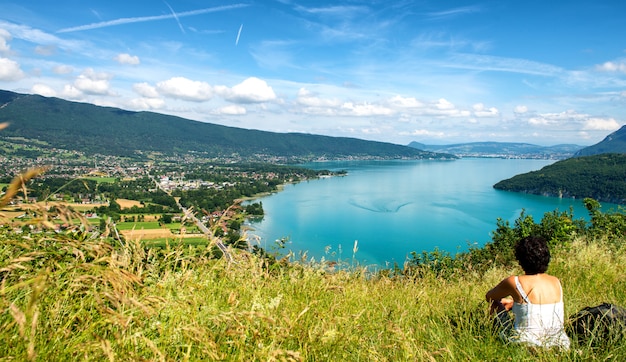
(160, 188)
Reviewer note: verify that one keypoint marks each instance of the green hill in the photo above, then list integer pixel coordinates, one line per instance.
(613, 143)
(91, 129)
(601, 177)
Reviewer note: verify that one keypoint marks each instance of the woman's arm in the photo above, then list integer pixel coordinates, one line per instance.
(497, 296)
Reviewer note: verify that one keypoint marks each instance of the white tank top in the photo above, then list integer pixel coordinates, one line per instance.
(539, 324)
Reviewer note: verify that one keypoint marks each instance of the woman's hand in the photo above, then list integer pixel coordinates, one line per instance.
(507, 303)
(504, 304)
(499, 297)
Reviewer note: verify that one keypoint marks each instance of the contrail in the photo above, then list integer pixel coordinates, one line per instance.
(238, 35)
(175, 17)
(140, 19)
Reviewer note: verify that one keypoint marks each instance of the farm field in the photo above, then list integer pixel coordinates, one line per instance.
(127, 204)
(148, 230)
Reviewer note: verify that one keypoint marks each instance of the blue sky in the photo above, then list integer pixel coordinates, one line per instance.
(432, 71)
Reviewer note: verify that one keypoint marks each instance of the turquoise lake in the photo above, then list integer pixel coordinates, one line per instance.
(392, 208)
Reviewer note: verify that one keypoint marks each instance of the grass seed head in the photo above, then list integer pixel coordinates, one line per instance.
(19, 182)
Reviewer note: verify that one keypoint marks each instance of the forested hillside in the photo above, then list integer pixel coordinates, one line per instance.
(91, 129)
(602, 177)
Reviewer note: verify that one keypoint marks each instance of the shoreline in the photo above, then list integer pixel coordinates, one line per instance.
(279, 188)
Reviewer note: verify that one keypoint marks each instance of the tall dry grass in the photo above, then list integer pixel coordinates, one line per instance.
(79, 295)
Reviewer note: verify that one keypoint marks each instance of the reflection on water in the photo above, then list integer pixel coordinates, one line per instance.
(377, 205)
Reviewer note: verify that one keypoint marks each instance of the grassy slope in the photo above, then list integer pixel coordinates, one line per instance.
(66, 299)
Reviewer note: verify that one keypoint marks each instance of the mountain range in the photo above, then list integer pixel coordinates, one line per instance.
(56, 123)
(502, 149)
(41, 124)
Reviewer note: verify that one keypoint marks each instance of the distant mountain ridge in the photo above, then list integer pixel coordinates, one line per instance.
(502, 149)
(613, 143)
(111, 131)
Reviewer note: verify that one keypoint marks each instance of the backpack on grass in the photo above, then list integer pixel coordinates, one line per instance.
(595, 325)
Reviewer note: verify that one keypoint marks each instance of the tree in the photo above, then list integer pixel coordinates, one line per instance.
(166, 218)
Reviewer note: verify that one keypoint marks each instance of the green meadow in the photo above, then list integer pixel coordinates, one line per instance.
(148, 225)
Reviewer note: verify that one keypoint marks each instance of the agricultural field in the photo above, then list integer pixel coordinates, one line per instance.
(127, 204)
(150, 229)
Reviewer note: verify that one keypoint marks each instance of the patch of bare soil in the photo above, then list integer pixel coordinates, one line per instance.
(127, 204)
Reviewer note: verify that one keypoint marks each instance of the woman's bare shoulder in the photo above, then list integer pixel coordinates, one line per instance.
(541, 288)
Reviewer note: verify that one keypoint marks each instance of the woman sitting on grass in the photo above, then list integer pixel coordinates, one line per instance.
(535, 298)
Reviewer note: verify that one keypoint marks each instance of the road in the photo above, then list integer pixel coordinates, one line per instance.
(205, 230)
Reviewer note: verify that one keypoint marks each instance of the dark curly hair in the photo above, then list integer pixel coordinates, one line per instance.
(533, 254)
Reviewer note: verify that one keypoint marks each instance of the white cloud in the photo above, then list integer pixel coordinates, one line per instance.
(405, 102)
(539, 121)
(186, 89)
(612, 67)
(232, 110)
(5, 37)
(455, 12)
(481, 111)
(63, 69)
(520, 109)
(127, 59)
(574, 121)
(366, 109)
(145, 90)
(501, 64)
(339, 11)
(10, 70)
(370, 131)
(444, 108)
(444, 104)
(91, 82)
(404, 107)
(43, 90)
(601, 124)
(310, 99)
(147, 103)
(71, 92)
(251, 90)
(45, 50)
(551, 119)
(39, 37)
(140, 19)
(424, 133)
